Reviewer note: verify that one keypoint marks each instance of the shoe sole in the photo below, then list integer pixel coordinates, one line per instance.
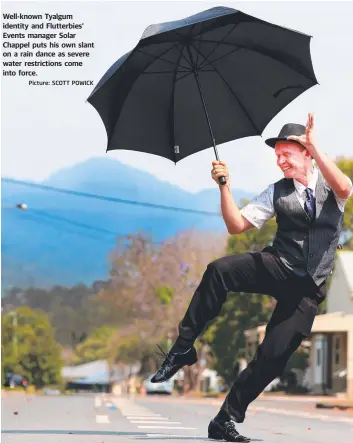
(220, 437)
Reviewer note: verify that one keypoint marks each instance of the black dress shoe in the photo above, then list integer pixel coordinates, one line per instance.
(172, 363)
(225, 431)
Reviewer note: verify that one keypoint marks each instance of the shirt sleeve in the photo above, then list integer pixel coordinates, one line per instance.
(342, 201)
(260, 209)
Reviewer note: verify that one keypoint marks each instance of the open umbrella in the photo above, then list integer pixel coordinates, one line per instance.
(216, 76)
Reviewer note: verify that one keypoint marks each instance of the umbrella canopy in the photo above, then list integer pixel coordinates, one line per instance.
(216, 76)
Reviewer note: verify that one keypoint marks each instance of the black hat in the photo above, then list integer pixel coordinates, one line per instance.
(286, 131)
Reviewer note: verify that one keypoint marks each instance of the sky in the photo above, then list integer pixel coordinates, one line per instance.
(44, 129)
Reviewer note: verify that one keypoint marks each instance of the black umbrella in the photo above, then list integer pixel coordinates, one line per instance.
(213, 77)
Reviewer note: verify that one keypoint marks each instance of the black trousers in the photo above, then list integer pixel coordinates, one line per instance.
(297, 304)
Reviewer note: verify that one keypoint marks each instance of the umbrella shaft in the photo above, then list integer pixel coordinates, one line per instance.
(207, 117)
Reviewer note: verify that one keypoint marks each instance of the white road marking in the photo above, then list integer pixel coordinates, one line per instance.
(102, 419)
(140, 422)
(164, 427)
(97, 402)
(143, 417)
(140, 414)
(301, 414)
(176, 436)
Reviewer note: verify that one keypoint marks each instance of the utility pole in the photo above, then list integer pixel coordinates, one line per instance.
(14, 335)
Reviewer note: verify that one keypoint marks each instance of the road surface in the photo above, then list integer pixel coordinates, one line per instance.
(90, 418)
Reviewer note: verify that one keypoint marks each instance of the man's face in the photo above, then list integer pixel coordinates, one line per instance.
(292, 159)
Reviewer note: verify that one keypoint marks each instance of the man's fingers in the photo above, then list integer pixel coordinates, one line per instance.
(311, 120)
(219, 171)
(293, 137)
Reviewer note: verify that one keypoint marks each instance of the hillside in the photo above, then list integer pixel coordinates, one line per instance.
(65, 239)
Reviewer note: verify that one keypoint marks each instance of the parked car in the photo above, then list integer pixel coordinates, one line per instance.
(165, 387)
(14, 380)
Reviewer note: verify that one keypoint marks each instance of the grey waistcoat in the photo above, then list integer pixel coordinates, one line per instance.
(307, 247)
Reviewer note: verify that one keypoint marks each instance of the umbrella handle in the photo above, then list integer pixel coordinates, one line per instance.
(222, 180)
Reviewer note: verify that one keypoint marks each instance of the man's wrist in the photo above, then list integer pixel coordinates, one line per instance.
(224, 188)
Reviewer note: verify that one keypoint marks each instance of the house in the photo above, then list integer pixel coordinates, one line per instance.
(99, 375)
(330, 368)
(331, 356)
(209, 380)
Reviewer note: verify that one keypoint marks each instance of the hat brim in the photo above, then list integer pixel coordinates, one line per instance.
(272, 141)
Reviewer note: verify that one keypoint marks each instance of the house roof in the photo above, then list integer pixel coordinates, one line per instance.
(346, 260)
(333, 322)
(85, 370)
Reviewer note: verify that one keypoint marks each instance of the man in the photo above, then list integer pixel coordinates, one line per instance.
(308, 204)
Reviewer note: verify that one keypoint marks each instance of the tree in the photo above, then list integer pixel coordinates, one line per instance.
(151, 285)
(73, 311)
(96, 346)
(29, 347)
(346, 165)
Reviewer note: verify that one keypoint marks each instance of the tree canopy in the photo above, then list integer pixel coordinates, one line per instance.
(29, 347)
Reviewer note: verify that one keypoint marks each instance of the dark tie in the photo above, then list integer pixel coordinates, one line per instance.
(309, 204)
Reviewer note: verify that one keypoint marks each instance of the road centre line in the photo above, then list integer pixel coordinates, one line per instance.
(166, 436)
(140, 422)
(301, 414)
(102, 419)
(161, 419)
(164, 427)
(97, 402)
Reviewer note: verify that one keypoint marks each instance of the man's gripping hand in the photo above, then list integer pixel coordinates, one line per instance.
(220, 169)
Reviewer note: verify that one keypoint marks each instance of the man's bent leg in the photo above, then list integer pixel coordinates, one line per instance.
(243, 272)
(251, 272)
(288, 326)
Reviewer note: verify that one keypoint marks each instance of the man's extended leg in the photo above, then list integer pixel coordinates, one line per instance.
(290, 323)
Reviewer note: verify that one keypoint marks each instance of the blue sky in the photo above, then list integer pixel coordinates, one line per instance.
(48, 128)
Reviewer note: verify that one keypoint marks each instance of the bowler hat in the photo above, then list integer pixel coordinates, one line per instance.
(286, 131)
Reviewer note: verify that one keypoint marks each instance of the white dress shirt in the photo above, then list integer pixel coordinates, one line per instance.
(261, 208)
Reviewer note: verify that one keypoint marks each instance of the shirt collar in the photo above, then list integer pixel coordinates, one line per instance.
(312, 184)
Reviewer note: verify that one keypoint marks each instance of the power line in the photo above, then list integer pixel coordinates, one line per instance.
(36, 217)
(39, 216)
(110, 199)
(72, 222)
(39, 213)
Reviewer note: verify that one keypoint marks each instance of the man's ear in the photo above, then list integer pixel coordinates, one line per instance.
(307, 153)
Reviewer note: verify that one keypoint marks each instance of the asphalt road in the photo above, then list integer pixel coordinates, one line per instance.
(107, 419)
